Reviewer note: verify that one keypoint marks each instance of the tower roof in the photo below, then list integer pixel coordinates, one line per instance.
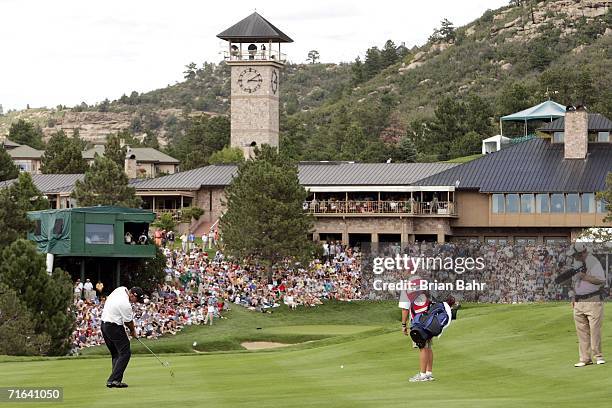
(254, 28)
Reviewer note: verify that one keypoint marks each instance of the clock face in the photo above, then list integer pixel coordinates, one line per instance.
(250, 80)
(274, 81)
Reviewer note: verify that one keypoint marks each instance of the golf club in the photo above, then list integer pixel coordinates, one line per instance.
(165, 364)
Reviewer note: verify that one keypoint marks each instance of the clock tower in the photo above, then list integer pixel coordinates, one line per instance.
(255, 60)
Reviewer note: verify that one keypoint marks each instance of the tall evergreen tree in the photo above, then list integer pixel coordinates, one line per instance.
(15, 201)
(407, 150)
(48, 298)
(388, 55)
(63, 155)
(27, 194)
(447, 31)
(372, 64)
(105, 183)
(17, 333)
(8, 170)
(357, 75)
(26, 133)
(265, 221)
(114, 151)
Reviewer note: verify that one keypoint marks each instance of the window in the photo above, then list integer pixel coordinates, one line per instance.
(37, 228)
(588, 203)
(496, 240)
(498, 204)
(601, 206)
(24, 165)
(555, 240)
(558, 137)
(527, 204)
(542, 203)
(557, 203)
(572, 203)
(525, 240)
(512, 203)
(99, 234)
(603, 136)
(58, 226)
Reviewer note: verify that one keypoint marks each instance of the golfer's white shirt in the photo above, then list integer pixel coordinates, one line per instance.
(117, 308)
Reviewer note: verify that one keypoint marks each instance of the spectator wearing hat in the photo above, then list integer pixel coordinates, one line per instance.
(88, 288)
(78, 289)
(588, 305)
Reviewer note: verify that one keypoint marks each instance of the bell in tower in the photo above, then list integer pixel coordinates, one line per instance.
(255, 58)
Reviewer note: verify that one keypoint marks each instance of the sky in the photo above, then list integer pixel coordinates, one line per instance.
(70, 51)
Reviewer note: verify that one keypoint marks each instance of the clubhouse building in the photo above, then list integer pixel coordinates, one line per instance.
(542, 189)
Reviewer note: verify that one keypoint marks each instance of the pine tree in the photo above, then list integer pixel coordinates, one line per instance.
(372, 64)
(265, 221)
(63, 155)
(28, 196)
(105, 183)
(13, 219)
(48, 298)
(357, 75)
(15, 201)
(407, 150)
(388, 55)
(8, 170)
(447, 31)
(114, 151)
(17, 334)
(26, 133)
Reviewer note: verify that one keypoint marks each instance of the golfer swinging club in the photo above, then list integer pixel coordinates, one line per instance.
(117, 315)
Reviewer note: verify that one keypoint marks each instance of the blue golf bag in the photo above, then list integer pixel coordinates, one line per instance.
(429, 324)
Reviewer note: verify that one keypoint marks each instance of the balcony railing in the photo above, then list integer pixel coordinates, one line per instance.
(176, 213)
(415, 208)
(259, 55)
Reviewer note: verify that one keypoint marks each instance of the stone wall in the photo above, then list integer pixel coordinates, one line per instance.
(405, 227)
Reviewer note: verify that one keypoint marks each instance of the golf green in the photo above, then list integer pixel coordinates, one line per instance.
(493, 356)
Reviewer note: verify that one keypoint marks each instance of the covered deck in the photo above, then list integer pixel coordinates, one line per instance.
(167, 202)
(382, 201)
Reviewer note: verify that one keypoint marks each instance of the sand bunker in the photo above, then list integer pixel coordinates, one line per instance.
(260, 345)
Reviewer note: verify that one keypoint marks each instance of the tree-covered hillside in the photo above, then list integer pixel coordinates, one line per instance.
(432, 102)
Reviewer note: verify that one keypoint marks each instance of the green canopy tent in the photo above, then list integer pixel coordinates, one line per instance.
(91, 232)
(545, 110)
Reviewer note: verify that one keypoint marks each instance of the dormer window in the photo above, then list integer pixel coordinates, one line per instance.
(558, 137)
(603, 137)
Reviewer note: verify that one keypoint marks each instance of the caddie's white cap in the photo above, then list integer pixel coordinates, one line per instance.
(577, 247)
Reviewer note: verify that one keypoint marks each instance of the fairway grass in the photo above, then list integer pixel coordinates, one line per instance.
(493, 356)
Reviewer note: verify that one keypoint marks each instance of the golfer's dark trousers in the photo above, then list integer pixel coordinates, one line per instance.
(119, 346)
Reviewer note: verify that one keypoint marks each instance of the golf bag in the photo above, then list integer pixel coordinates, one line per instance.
(429, 324)
(569, 274)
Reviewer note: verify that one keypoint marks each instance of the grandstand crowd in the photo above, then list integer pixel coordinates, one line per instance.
(197, 290)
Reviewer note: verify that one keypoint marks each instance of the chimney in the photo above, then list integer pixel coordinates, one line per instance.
(576, 132)
(130, 164)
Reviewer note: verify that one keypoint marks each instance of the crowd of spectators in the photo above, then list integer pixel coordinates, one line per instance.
(197, 289)
(511, 274)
